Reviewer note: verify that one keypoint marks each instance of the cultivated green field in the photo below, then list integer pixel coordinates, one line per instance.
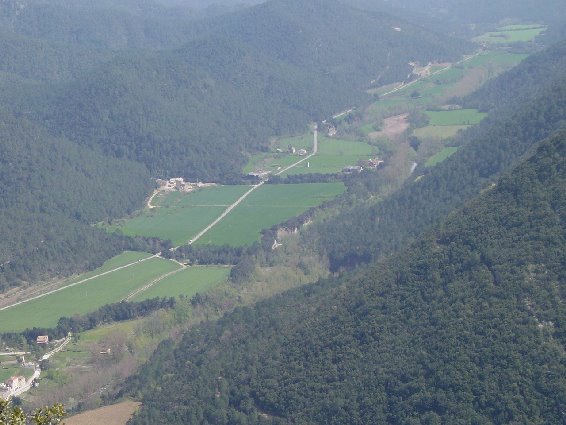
(85, 297)
(455, 117)
(120, 260)
(188, 282)
(441, 156)
(180, 216)
(269, 205)
(439, 131)
(458, 80)
(511, 34)
(274, 161)
(333, 155)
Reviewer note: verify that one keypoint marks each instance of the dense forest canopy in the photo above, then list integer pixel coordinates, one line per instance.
(467, 325)
(52, 191)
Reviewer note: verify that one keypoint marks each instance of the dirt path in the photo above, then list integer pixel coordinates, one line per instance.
(153, 283)
(154, 194)
(257, 186)
(404, 86)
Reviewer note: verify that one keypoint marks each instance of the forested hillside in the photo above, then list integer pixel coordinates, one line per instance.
(52, 191)
(528, 104)
(267, 70)
(467, 325)
(101, 96)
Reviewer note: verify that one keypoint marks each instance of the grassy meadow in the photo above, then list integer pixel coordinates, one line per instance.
(85, 297)
(269, 205)
(457, 117)
(188, 282)
(180, 216)
(441, 156)
(511, 34)
(333, 155)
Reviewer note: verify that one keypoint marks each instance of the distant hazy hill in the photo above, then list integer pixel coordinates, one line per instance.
(474, 11)
(466, 326)
(266, 70)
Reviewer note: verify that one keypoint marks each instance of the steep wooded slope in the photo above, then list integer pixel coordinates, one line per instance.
(466, 326)
(264, 71)
(531, 104)
(52, 191)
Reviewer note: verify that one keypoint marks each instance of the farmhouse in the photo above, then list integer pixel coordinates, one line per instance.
(15, 382)
(42, 339)
(374, 162)
(260, 174)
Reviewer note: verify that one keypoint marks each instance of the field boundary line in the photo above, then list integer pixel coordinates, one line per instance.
(78, 283)
(152, 283)
(245, 195)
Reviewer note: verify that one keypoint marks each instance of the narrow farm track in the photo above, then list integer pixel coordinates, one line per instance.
(404, 86)
(78, 283)
(257, 186)
(153, 283)
(158, 255)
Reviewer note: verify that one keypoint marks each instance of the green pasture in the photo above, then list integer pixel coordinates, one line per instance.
(269, 205)
(274, 161)
(101, 332)
(271, 161)
(511, 34)
(456, 117)
(120, 260)
(438, 88)
(441, 156)
(495, 59)
(85, 297)
(188, 282)
(180, 216)
(333, 155)
(438, 131)
(6, 372)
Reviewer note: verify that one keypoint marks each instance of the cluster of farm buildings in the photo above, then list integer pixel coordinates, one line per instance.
(179, 184)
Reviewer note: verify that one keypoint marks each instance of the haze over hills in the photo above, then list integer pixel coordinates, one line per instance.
(195, 110)
(467, 325)
(464, 325)
(264, 71)
(429, 293)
